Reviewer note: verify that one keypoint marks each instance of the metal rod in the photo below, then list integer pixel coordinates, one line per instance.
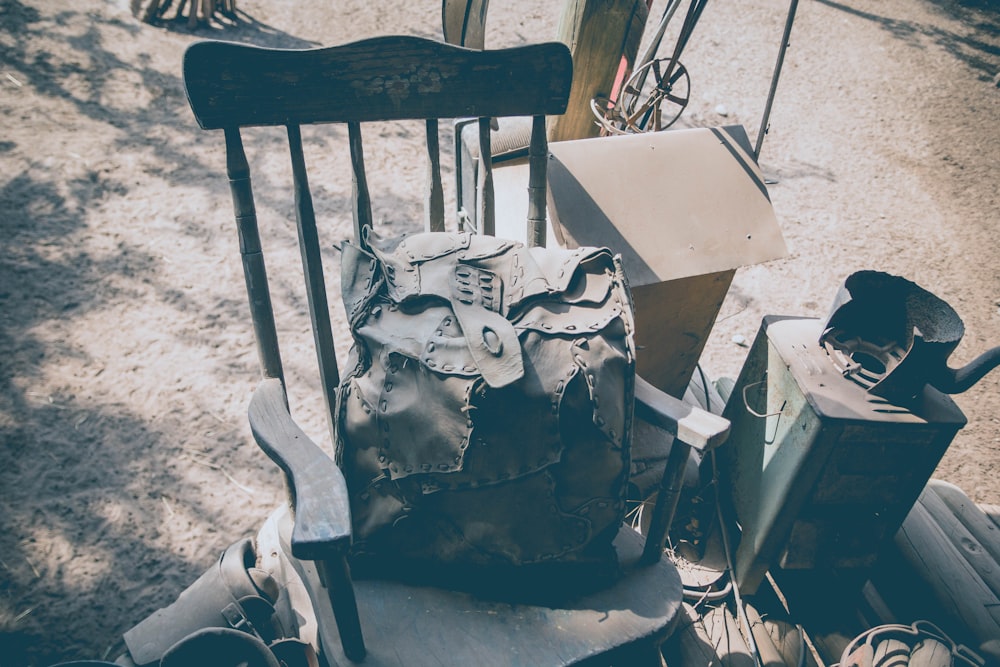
(774, 78)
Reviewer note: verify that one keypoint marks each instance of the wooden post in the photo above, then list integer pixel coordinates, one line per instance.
(598, 33)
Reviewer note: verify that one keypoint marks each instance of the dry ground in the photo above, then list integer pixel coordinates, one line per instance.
(125, 460)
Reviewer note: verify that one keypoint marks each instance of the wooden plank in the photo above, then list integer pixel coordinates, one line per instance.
(930, 653)
(789, 641)
(862, 656)
(599, 33)
(770, 656)
(954, 582)
(727, 640)
(384, 78)
(993, 512)
(986, 532)
(690, 645)
(974, 552)
(891, 653)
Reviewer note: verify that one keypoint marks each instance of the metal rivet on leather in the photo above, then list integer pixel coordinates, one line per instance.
(492, 341)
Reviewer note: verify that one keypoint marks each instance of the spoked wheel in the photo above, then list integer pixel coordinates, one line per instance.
(656, 104)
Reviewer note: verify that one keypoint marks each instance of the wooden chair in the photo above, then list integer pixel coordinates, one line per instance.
(231, 87)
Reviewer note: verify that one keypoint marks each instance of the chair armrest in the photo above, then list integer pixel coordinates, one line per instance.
(321, 530)
(697, 428)
(692, 428)
(316, 484)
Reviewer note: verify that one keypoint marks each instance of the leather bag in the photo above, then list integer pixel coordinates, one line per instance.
(485, 416)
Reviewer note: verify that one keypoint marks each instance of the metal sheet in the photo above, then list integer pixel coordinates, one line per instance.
(674, 204)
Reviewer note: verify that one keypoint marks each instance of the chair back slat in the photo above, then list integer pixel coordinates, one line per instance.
(359, 182)
(254, 271)
(486, 215)
(537, 158)
(312, 267)
(434, 206)
(384, 78)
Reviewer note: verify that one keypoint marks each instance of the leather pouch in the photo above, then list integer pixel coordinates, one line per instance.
(486, 412)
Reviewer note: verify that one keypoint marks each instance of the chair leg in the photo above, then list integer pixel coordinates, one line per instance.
(666, 501)
(336, 577)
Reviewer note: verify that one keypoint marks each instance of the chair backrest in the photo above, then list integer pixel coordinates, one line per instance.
(231, 86)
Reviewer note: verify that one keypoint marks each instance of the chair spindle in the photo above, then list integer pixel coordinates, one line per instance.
(537, 157)
(434, 208)
(486, 216)
(254, 271)
(312, 267)
(362, 200)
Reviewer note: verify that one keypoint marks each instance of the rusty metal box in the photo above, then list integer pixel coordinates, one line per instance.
(821, 472)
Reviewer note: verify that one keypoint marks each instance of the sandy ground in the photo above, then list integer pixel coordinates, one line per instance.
(127, 358)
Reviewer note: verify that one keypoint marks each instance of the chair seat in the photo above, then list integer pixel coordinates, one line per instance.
(420, 625)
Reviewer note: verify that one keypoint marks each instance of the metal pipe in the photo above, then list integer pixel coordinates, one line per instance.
(774, 77)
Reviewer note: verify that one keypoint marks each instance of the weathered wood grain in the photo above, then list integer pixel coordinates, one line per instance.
(384, 78)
